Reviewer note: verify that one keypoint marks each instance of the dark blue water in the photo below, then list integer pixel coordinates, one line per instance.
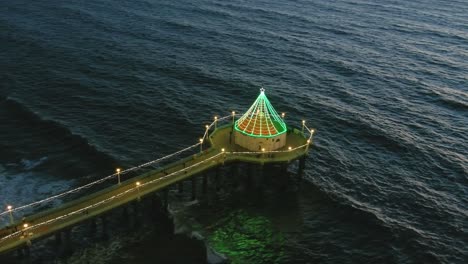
(89, 85)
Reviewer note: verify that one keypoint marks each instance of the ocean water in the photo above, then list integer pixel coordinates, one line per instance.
(90, 85)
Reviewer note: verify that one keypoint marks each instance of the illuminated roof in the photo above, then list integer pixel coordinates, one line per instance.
(261, 120)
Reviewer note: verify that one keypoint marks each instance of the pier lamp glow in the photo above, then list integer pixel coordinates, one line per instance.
(283, 115)
(233, 116)
(138, 188)
(118, 175)
(216, 121)
(25, 226)
(289, 148)
(303, 125)
(201, 145)
(312, 131)
(10, 208)
(222, 150)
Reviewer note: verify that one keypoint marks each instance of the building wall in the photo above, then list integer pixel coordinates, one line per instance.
(257, 143)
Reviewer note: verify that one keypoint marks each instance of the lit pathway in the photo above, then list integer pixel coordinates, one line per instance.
(46, 223)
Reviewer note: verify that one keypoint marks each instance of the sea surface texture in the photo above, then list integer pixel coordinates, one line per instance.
(89, 85)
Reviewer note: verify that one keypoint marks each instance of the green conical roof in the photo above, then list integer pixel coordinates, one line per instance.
(261, 120)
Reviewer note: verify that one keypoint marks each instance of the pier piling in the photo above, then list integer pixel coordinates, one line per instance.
(194, 188)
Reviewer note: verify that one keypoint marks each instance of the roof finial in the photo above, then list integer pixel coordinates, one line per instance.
(262, 90)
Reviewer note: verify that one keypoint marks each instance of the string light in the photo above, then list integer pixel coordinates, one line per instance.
(108, 199)
(86, 186)
(10, 208)
(51, 198)
(137, 186)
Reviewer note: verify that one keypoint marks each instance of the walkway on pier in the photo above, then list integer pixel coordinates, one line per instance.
(222, 150)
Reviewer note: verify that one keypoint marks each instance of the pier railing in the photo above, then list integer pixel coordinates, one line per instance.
(12, 212)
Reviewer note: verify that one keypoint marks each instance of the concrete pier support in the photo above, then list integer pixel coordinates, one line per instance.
(125, 214)
(58, 239)
(92, 227)
(251, 176)
(260, 176)
(301, 168)
(180, 187)
(194, 188)
(165, 199)
(27, 250)
(204, 183)
(19, 253)
(67, 242)
(217, 178)
(283, 179)
(104, 224)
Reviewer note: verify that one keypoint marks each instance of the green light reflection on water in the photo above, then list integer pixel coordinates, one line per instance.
(247, 239)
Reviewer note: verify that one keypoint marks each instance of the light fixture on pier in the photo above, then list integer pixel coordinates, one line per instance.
(10, 208)
(118, 175)
(289, 148)
(201, 145)
(138, 189)
(283, 115)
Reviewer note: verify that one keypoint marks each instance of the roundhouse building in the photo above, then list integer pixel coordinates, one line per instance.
(260, 128)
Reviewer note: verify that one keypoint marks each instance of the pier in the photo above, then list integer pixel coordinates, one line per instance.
(217, 147)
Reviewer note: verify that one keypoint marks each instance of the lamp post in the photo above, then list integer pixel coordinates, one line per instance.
(25, 227)
(307, 146)
(233, 115)
(216, 122)
(303, 125)
(138, 188)
(283, 115)
(9, 207)
(201, 145)
(118, 175)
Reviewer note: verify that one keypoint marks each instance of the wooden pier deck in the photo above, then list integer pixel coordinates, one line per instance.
(222, 150)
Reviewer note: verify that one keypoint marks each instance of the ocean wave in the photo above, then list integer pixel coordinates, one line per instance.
(51, 145)
(31, 164)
